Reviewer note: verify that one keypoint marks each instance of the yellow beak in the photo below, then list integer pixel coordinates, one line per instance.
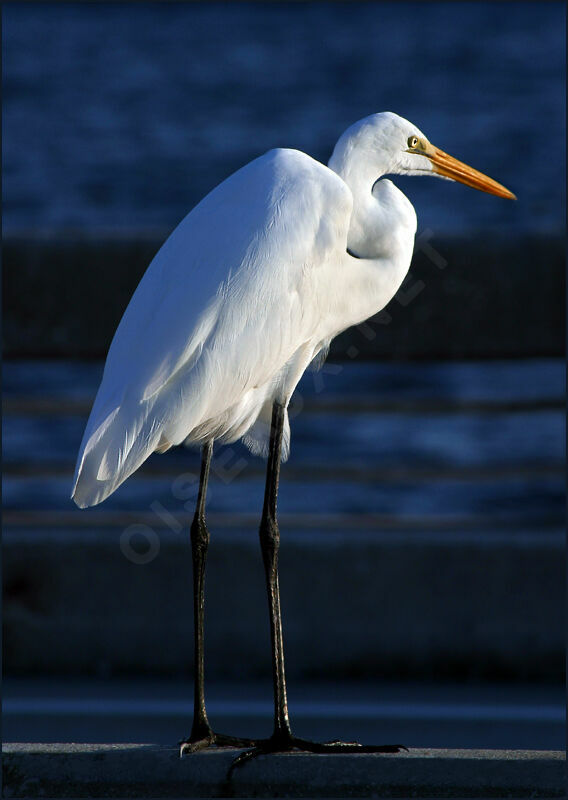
(450, 167)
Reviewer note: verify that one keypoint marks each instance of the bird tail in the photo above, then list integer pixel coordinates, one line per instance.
(111, 452)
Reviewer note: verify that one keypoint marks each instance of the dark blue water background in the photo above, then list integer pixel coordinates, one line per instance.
(125, 115)
(501, 465)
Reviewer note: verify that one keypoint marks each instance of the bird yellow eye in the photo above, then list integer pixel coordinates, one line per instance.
(412, 141)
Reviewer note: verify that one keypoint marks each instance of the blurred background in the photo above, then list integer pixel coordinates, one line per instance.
(422, 508)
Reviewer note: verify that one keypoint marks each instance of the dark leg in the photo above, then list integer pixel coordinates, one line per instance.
(201, 734)
(269, 545)
(199, 546)
(282, 739)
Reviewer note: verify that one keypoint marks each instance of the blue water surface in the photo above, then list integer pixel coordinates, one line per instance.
(125, 115)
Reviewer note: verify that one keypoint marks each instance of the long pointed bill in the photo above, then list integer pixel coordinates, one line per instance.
(450, 167)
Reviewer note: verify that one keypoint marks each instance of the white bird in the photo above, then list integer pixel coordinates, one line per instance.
(251, 287)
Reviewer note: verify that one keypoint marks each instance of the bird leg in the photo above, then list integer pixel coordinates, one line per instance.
(202, 735)
(269, 535)
(282, 739)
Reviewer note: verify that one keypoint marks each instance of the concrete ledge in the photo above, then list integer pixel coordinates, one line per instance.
(136, 770)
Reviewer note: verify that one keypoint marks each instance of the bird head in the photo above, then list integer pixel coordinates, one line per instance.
(395, 146)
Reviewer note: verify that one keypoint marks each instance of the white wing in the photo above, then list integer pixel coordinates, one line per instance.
(221, 309)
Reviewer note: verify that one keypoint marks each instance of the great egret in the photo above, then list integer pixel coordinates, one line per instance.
(250, 287)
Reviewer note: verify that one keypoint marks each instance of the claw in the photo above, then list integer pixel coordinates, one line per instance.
(188, 746)
(194, 747)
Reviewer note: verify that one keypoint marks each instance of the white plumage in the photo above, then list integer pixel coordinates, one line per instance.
(253, 283)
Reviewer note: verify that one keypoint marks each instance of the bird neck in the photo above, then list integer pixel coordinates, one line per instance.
(383, 219)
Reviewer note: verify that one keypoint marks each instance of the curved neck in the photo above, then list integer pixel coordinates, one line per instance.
(382, 216)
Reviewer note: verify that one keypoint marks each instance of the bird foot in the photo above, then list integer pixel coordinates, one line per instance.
(286, 744)
(210, 739)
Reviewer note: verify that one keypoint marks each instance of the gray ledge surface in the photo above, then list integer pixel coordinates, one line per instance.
(138, 770)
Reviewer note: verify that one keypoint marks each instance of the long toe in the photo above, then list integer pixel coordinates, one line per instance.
(306, 746)
(195, 744)
(338, 746)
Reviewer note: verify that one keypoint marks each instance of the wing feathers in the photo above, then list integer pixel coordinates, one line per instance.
(218, 314)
